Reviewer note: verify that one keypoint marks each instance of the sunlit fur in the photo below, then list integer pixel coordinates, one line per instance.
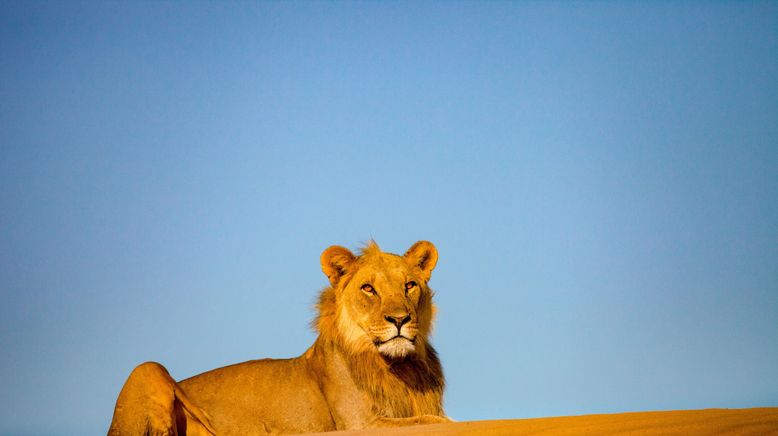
(371, 367)
(404, 377)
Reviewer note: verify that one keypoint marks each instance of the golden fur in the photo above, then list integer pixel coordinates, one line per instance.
(371, 365)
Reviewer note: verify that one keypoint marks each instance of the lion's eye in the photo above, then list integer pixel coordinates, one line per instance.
(410, 285)
(368, 288)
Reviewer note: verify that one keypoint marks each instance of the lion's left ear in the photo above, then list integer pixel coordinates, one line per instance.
(423, 255)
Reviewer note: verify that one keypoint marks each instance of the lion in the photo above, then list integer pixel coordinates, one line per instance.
(371, 366)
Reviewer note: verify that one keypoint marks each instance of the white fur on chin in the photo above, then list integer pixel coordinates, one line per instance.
(397, 348)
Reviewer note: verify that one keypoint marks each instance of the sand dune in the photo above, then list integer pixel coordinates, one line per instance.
(762, 421)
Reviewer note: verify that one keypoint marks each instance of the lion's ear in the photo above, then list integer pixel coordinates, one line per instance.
(423, 255)
(335, 262)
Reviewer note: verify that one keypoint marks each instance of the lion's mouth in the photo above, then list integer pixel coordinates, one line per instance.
(396, 338)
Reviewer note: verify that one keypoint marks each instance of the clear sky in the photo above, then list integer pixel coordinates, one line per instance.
(600, 179)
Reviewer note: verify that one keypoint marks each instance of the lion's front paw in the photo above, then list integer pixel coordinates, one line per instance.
(433, 419)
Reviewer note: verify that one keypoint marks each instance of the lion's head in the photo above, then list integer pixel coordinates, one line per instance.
(378, 301)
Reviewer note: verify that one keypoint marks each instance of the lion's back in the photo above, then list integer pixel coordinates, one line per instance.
(261, 396)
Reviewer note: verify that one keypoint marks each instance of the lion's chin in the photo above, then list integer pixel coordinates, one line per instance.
(397, 348)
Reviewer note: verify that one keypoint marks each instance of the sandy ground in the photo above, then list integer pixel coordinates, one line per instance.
(763, 421)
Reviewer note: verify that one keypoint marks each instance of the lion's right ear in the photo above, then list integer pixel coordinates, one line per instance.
(335, 262)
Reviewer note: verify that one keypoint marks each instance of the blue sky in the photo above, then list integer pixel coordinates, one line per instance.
(600, 179)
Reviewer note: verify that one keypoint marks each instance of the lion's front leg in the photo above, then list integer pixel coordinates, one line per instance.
(151, 403)
(383, 422)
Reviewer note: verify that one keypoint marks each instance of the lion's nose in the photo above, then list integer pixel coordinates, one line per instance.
(399, 321)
